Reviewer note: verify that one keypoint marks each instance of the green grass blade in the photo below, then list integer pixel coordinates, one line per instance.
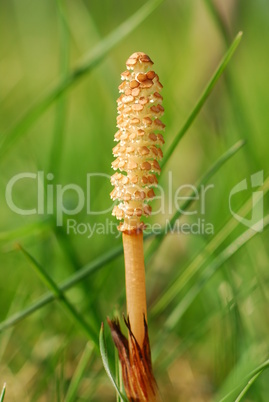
(149, 7)
(209, 271)
(59, 295)
(59, 381)
(118, 375)
(6, 337)
(2, 396)
(218, 20)
(175, 316)
(251, 377)
(103, 351)
(85, 66)
(26, 230)
(246, 388)
(83, 273)
(109, 256)
(79, 373)
(67, 247)
(237, 101)
(58, 137)
(204, 179)
(199, 261)
(207, 176)
(223, 64)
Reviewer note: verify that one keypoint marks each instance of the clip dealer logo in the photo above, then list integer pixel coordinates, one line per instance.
(256, 220)
(67, 201)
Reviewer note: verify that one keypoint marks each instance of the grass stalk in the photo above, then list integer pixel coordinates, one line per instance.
(101, 261)
(238, 106)
(88, 62)
(250, 378)
(60, 119)
(112, 254)
(178, 283)
(247, 387)
(68, 306)
(2, 396)
(209, 271)
(201, 182)
(71, 394)
(84, 272)
(220, 69)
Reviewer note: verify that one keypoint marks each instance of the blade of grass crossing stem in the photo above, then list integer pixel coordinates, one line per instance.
(223, 64)
(84, 272)
(69, 308)
(88, 62)
(79, 373)
(209, 271)
(2, 396)
(193, 268)
(104, 357)
(204, 179)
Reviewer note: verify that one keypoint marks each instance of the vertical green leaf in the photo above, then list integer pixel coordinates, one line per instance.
(68, 306)
(89, 61)
(78, 375)
(2, 396)
(103, 351)
(223, 64)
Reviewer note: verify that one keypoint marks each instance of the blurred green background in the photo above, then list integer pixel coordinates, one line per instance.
(207, 348)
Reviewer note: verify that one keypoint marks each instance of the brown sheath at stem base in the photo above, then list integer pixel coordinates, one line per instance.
(135, 283)
(139, 382)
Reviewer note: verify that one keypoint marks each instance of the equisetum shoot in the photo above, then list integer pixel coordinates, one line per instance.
(138, 152)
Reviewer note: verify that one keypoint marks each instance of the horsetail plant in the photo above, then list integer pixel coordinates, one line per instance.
(137, 154)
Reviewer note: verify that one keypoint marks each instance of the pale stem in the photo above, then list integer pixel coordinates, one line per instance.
(135, 283)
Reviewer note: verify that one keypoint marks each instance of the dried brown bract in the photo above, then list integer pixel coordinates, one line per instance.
(138, 378)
